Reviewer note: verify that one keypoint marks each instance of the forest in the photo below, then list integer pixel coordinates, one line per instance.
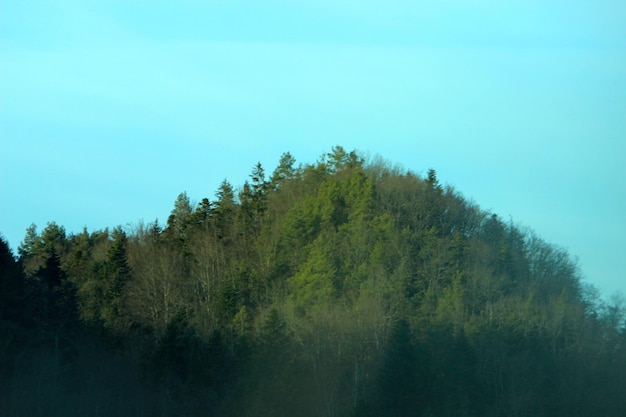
(339, 288)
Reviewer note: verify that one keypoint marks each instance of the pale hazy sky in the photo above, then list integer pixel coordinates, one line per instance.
(110, 109)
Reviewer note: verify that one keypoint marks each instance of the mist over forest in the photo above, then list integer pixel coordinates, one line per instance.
(339, 288)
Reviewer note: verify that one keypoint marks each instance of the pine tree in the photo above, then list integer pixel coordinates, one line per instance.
(180, 217)
(285, 171)
(225, 210)
(118, 273)
(12, 296)
(401, 390)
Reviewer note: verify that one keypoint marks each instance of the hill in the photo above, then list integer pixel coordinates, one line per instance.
(338, 288)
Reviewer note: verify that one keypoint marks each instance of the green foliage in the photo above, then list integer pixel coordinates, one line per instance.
(117, 274)
(284, 172)
(339, 288)
(316, 281)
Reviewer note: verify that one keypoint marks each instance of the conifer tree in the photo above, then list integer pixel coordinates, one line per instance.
(225, 207)
(285, 170)
(12, 296)
(118, 273)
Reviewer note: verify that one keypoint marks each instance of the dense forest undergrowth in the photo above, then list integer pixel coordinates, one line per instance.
(338, 288)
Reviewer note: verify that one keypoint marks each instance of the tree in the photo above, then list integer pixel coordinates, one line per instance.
(52, 295)
(284, 171)
(159, 283)
(36, 249)
(225, 207)
(203, 213)
(274, 391)
(433, 182)
(12, 296)
(316, 281)
(118, 273)
(339, 159)
(30, 242)
(180, 217)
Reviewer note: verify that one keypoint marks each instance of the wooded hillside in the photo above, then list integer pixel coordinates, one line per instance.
(338, 288)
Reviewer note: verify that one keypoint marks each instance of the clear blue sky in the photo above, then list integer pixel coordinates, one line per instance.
(110, 109)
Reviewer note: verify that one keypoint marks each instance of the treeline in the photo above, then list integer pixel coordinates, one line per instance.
(339, 288)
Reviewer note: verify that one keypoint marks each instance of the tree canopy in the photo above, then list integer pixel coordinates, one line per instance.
(337, 288)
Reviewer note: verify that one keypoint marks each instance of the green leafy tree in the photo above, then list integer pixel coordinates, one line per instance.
(285, 171)
(225, 210)
(180, 217)
(52, 295)
(203, 213)
(316, 281)
(118, 273)
(433, 182)
(29, 245)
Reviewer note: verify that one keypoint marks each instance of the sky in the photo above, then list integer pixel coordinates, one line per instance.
(110, 109)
